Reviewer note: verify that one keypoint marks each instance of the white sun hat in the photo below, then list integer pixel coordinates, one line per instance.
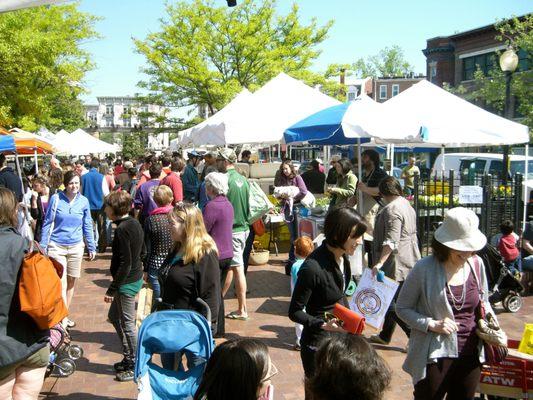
(460, 230)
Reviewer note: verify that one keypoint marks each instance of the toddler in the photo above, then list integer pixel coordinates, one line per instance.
(303, 246)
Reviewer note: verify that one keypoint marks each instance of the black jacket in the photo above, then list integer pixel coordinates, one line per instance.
(19, 335)
(318, 288)
(128, 253)
(314, 181)
(10, 180)
(182, 284)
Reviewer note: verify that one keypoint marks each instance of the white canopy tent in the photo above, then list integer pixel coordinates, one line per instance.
(11, 5)
(434, 117)
(80, 142)
(265, 115)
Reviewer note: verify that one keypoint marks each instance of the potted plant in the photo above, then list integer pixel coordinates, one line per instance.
(259, 256)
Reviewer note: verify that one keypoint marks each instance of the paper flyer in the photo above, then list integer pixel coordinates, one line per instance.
(372, 298)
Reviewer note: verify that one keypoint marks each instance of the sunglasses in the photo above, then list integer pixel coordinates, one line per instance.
(271, 372)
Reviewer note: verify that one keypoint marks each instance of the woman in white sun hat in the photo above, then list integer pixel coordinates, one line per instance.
(438, 301)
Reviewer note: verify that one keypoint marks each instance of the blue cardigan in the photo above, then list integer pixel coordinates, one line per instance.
(72, 222)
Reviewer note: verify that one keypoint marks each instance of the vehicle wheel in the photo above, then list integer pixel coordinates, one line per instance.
(513, 303)
(75, 352)
(66, 367)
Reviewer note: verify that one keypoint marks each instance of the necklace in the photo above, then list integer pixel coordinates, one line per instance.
(460, 302)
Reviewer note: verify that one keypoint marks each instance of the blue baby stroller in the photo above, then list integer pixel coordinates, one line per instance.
(172, 331)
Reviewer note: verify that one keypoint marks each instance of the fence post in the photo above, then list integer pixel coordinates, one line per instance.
(489, 203)
(417, 210)
(451, 187)
(518, 199)
(485, 209)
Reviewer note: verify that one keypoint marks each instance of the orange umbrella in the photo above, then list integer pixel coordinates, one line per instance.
(28, 143)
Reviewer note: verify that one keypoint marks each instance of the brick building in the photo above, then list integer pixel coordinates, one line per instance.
(454, 59)
(380, 89)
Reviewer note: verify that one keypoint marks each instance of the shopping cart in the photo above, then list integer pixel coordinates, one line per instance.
(512, 378)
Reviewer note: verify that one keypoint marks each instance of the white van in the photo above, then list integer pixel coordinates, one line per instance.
(478, 164)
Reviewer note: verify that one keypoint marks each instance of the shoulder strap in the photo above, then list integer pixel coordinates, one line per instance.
(476, 270)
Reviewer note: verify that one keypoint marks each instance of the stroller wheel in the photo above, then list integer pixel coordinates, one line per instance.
(66, 367)
(75, 352)
(512, 303)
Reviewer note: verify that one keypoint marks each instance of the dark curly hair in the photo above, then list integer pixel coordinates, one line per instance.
(347, 367)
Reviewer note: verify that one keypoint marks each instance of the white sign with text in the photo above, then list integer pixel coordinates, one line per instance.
(470, 195)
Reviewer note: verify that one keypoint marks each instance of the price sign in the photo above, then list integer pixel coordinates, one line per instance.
(470, 195)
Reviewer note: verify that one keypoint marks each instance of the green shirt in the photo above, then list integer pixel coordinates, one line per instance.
(238, 193)
(408, 174)
(131, 289)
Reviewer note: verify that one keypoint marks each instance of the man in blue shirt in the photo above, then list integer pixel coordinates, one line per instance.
(190, 180)
(94, 187)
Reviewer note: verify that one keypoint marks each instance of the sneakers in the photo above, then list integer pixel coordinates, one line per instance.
(120, 366)
(376, 339)
(125, 376)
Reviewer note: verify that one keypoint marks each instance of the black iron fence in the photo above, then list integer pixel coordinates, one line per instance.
(486, 195)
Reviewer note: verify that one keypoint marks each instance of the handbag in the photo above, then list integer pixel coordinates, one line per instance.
(259, 227)
(489, 331)
(351, 321)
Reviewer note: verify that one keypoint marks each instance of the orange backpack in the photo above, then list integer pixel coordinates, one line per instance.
(40, 288)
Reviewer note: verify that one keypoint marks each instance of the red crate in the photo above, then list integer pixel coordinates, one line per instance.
(512, 378)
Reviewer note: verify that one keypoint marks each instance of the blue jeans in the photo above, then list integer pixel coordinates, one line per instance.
(527, 263)
(515, 266)
(154, 282)
(293, 230)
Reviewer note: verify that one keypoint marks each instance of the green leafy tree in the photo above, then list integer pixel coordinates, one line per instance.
(134, 143)
(42, 66)
(390, 61)
(488, 90)
(205, 54)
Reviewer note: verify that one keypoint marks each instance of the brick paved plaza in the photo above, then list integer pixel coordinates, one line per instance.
(268, 304)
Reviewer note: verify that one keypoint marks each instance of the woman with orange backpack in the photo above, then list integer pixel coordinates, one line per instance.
(24, 352)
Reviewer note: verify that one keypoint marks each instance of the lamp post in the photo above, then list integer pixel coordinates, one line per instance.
(508, 64)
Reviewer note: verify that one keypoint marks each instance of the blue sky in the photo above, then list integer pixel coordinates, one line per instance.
(361, 29)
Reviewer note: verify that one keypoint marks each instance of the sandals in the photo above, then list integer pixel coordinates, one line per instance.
(235, 315)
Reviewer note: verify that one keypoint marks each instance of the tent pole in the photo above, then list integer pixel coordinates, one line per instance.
(36, 162)
(279, 151)
(391, 159)
(443, 163)
(19, 170)
(360, 172)
(525, 194)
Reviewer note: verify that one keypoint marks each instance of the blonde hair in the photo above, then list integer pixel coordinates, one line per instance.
(197, 242)
(163, 195)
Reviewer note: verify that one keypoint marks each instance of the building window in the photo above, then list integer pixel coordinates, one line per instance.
(126, 110)
(108, 122)
(483, 62)
(382, 92)
(523, 60)
(432, 71)
(351, 96)
(92, 116)
(395, 90)
(127, 123)
(109, 109)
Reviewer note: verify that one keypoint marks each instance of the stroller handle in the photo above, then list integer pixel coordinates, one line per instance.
(204, 309)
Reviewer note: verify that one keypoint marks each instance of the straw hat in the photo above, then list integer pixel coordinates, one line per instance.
(460, 230)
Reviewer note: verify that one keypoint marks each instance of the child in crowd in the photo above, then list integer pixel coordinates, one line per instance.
(127, 272)
(303, 246)
(507, 244)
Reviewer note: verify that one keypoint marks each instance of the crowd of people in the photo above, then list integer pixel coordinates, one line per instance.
(186, 232)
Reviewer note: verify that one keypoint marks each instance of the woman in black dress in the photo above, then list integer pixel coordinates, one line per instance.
(323, 279)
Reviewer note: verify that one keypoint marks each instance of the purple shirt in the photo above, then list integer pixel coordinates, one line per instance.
(144, 198)
(467, 339)
(218, 219)
(296, 181)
